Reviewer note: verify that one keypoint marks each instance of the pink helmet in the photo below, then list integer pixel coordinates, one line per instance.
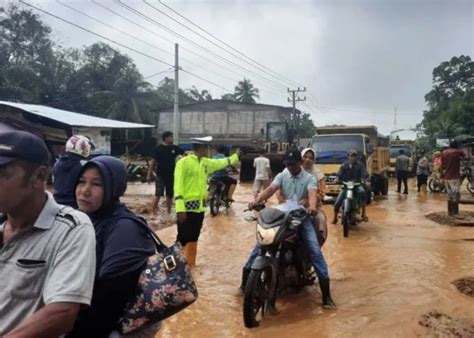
(79, 145)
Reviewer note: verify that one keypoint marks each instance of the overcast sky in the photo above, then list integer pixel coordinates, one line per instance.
(359, 59)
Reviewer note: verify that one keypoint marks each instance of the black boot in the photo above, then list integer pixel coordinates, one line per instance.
(455, 208)
(326, 293)
(245, 276)
(450, 208)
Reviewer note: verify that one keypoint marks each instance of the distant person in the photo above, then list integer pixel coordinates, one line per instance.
(123, 247)
(223, 175)
(437, 162)
(66, 170)
(47, 251)
(352, 170)
(402, 168)
(190, 191)
(263, 174)
(164, 161)
(451, 171)
(422, 172)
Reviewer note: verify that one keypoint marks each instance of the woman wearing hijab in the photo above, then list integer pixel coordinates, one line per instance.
(123, 247)
(309, 155)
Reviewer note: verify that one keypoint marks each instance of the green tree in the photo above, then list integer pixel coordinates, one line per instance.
(245, 92)
(198, 95)
(228, 97)
(450, 112)
(307, 128)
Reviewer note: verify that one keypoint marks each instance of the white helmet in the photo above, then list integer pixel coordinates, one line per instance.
(79, 145)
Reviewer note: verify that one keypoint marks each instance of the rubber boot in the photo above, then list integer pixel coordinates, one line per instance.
(455, 208)
(190, 251)
(324, 284)
(450, 208)
(230, 192)
(245, 276)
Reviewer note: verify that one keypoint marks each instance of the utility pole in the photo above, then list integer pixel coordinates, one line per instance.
(294, 98)
(176, 117)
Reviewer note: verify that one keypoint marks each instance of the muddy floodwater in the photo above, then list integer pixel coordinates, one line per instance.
(388, 274)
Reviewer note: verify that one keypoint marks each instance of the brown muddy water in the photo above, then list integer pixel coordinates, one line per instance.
(388, 274)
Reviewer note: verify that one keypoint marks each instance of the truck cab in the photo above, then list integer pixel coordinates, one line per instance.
(332, 145)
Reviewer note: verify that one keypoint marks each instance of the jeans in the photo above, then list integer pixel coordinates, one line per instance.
(308, 236)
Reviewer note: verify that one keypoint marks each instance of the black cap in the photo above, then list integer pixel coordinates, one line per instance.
(292, 156)
(21, 145)
(352, 152)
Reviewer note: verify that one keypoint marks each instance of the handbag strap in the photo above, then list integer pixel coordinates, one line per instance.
(140, 220)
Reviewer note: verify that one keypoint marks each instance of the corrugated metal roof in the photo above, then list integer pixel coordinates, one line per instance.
(73, 119)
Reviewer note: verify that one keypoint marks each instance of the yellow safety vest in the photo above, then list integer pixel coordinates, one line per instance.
(190, 180)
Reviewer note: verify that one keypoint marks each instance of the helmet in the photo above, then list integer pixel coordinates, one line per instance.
(437, 153)
(79, 145)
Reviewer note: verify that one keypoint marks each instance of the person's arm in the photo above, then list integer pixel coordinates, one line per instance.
(321, 189)
(53, 320)
(312, 196)
(340, 173)
(218, 164)
(266, 194)
(269, 170)
(151, 168)
(68, 284)
(178, 188)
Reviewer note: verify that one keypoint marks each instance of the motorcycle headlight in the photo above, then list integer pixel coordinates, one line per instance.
(266, 236)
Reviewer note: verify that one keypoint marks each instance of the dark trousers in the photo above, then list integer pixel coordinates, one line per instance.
(190, 229)
(421, 179)
(402, 176)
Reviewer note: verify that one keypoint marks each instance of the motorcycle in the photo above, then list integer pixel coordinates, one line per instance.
(468, 173)
(217, 196)
(436, 183)
(282, 262)
(350, 206)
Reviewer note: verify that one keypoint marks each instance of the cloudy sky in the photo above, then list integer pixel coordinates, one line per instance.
(359, 59)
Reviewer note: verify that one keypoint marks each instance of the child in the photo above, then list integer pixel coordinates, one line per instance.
(67, 168)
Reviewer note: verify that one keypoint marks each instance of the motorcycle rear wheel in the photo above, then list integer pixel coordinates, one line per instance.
(214, 206)
(256, 296)
(346, 220)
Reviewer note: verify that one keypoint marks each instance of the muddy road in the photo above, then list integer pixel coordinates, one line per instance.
(388, 274)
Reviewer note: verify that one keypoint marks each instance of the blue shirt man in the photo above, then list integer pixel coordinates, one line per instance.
(296, 184)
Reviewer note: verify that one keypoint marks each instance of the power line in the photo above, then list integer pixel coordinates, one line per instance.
(118, 43)
(186, 49)
(170, 31)
(94, 33)
(259, 66)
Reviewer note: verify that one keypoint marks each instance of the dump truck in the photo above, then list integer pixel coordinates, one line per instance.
(409, 148)
(332, 145)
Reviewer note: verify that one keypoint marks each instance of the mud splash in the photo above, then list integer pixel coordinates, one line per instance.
(465, 285)
(387, 274)
(442, 325)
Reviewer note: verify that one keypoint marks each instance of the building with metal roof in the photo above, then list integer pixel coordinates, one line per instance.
(56, 125)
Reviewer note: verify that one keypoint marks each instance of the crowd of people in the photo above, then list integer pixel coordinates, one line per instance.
(73, 258)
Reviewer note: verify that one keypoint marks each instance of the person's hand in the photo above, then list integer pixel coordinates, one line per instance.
(251, 205)
(303, 202)
(312, 211)
(182, 217)
(238, 151)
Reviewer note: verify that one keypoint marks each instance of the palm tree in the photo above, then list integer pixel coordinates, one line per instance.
(129, 99)
(245, 92)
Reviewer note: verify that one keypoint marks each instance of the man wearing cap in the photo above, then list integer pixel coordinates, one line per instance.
(190, 190)
(47, 251)
(352, 170)
(294, 183)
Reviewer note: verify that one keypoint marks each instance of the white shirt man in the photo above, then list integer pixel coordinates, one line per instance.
(263, 173)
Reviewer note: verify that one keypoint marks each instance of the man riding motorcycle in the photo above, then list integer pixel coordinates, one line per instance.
(296, 184)
(223, 176)
(352, 170)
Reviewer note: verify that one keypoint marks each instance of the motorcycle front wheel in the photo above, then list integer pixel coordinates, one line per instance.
(433, 185)
(256, 296)
(214, 206)
(346, 220)
(470, 187)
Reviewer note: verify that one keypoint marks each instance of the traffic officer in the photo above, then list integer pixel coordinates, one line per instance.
(190, 192)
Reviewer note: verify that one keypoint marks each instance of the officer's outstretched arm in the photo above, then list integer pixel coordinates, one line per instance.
(221, 163)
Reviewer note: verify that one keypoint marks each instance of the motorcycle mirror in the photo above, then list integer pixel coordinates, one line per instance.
(249, 218)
